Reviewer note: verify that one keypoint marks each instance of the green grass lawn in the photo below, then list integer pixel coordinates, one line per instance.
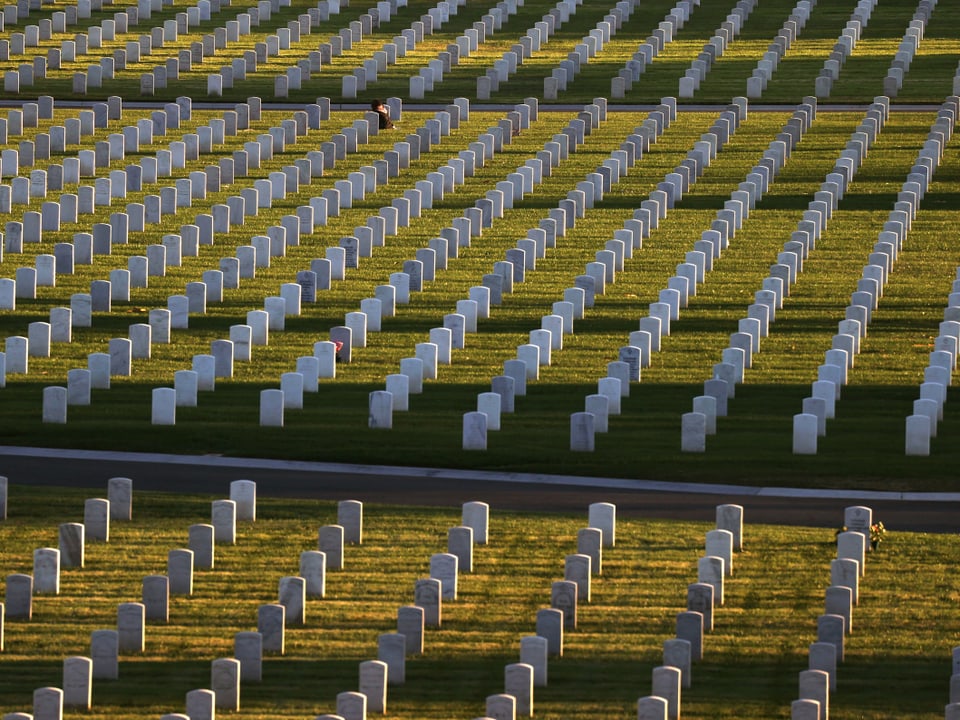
(897, 659)
(644, 440)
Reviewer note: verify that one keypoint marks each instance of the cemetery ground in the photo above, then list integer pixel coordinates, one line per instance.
(864, 444)
(897, 658)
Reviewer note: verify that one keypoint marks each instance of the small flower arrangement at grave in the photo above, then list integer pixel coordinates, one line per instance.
(877, 533)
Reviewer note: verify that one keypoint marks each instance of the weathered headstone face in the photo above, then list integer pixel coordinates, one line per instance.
(730, 517)
(47, 703)
(823, 656)
(104, 651)
(518, 682)
(313, 569)
(460, 544)
(476, 515)
(200, 539)
(391, 650)
(224, 520)
(350, 517)
(373, 684)
(130, 627)
(550, 627)
(563, 597)
(244, 494)
(830, 629)
(666, 684)
(410, 624)
(180, 571)
(846, 572)
(96, 519)
(225, 683)
(77, 682)
(852, 546)
(678, 653)
(271, 624)
(700, 598)
(577, 568)
(815, 685)
(445, 568)
(248, 649)
(19, 597)
(46, 571)
(156, 598)
(201, 704)
(710, 571)
(120, 497)
(292, 594)
(71, 545)
(603, 516)
(858, 519)
(719, 543)
(428, 594)
(331, 543)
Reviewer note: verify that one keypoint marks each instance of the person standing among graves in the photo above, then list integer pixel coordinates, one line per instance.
(384, 112)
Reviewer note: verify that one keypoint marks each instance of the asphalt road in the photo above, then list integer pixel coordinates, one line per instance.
(938, 513)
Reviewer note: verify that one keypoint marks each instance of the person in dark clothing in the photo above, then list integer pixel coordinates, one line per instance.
(380, 109)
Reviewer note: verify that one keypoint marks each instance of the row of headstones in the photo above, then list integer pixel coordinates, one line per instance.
(819, 681)
(590, 46)
(839, 359)
(532, 41)
(724, 35)
(738, 356)
(550, 335)
(95, 75)
(500, 282)
(634, 356)
(356, 81)
(520, 679)
(20, 590)
(353, 333)
(17, 14)
(900, 66)
(102, 292)
(939, 371)
(921, 426)
(426, 77)
(129, 636)
(469, 42)
(789, 32)
(86, 123)
(195, 300)
(408, 640)
(802, 241)
(270, 46)
(485, 211)
(283, 38)
(703, 597)
(843, 47)
(667, 29)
